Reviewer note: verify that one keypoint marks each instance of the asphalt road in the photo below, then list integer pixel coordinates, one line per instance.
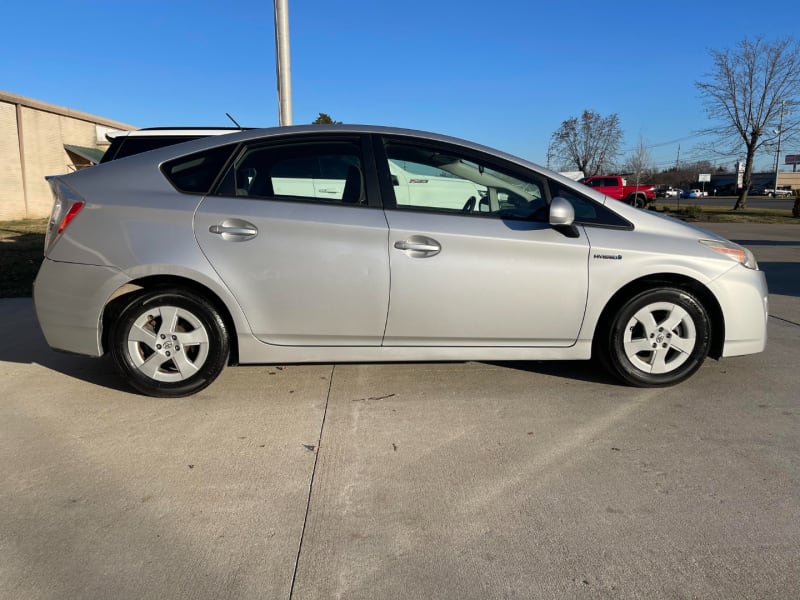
(458, 480)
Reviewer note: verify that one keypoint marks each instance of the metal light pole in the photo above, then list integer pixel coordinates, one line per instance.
(778, 154)
(282, 62)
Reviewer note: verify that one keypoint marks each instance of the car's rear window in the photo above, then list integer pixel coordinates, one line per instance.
(196, 173)
(130, 145)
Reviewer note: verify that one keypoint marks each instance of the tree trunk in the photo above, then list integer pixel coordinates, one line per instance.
(741, 201)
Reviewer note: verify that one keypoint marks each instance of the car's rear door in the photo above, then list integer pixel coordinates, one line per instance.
(306, 270)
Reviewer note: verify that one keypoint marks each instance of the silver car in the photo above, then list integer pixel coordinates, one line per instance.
(302, 244)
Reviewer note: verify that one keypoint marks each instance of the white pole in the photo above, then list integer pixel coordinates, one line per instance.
(282, 62)
(778, 154)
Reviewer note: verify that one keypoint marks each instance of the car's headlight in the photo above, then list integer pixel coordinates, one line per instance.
(733, 251)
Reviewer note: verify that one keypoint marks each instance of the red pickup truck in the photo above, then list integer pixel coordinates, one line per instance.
(616, 187)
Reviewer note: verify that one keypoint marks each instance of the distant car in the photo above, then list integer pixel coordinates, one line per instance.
(297, 244)
(780, 192)
(693, 194)
(671, 192)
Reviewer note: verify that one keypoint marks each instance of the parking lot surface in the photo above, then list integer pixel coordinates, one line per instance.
(454, 480)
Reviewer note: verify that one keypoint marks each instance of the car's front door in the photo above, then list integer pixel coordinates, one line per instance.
(307, 270)
(492, 273)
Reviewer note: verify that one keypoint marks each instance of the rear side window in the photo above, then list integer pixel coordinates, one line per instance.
(328, 171)
(196, 173)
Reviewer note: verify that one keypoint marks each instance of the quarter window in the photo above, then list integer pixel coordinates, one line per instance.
(196, 172)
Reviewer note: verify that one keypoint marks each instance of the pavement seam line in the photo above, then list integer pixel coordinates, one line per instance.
(311, 484)
(784, 320)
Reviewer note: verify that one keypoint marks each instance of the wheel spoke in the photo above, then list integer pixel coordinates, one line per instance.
(186, 367)
(683, 345)
(143, 336)
(151, 366)
(675, 318)
(646, 319)
(634, 347)
(193, 338)
(658, 364)
(169, 319)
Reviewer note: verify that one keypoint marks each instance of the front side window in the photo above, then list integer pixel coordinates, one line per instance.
(589, 212)
(313, 171)
(437, 179)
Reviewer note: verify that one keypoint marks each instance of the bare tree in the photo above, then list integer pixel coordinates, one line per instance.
(746, 93)
(589, 143)
(640, 163)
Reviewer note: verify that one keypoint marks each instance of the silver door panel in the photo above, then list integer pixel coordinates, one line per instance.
(314, 274)
(489, 283)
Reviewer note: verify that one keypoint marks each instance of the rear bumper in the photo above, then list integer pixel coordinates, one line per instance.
(69, 300)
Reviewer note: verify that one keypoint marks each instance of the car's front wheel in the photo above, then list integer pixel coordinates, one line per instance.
(657, 338)
(168, 343)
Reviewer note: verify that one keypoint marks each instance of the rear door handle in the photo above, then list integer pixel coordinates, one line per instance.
(234, 230)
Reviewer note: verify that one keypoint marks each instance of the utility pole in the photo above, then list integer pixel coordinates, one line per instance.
(282, 61)
(778, 153)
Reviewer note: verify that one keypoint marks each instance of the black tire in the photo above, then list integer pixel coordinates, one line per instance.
(169, 343)
(657, 338)
(636, 201)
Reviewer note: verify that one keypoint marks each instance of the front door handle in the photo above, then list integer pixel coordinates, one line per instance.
(419, 246)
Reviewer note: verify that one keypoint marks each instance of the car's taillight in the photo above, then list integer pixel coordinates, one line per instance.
(66, 206)
(71, 214)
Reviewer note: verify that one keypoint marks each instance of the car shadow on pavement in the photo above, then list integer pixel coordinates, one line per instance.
(22, 342)
(782, 277)
(576, 370)
(767, 242)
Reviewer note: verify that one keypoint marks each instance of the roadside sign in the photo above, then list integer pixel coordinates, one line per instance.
(792, 159)
(704, 177)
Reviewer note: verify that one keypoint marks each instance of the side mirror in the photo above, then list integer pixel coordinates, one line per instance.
(562, 217)
(561, 212)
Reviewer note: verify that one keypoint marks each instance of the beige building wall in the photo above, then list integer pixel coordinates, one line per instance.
(32, 138)
(792, 179)
(12, 195)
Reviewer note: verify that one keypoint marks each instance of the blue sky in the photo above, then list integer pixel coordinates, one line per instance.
(503, 73)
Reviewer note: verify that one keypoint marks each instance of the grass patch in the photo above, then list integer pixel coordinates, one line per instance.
(21, 253)
(723, 214)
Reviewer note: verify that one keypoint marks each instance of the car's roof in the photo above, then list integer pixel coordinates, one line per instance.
(301, 130)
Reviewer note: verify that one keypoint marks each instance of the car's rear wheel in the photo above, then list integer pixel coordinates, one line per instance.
(659, 337)
(636, 200)
(168, 343)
